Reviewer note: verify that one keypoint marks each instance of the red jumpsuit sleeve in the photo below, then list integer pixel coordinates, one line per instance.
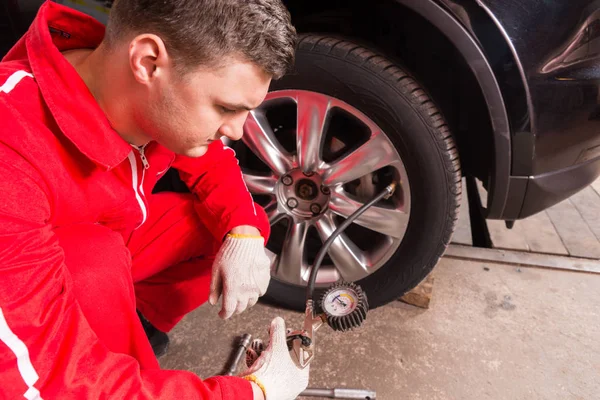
(222, 199)
(47, 348)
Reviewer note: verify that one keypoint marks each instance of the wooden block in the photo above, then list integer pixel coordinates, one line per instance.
(421, 295)
(541, 235)
(575, 233)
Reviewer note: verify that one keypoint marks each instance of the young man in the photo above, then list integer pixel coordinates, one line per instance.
(90, 121)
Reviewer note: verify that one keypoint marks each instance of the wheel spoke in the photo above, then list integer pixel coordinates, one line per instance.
(313, 109)
(291, 264)
(260, 139)
(376, 153)
(274, 214)
(347, 257)
(390, 222)
(258, 184)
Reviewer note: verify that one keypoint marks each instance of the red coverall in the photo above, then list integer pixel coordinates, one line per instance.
(83, 242)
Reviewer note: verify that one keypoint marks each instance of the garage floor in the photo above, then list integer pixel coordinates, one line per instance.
(493, 332)
(571, 227)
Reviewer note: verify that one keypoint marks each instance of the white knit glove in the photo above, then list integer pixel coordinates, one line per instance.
(241, 273)
(274, 371)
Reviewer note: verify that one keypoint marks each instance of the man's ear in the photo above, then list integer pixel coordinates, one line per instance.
(148, 58)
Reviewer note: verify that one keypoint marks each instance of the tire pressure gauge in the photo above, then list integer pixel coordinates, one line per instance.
(345, 306)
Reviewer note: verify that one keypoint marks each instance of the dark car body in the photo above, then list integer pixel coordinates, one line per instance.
(554, 119)
(518, 80)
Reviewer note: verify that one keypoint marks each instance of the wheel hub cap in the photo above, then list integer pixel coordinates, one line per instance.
(303, 194)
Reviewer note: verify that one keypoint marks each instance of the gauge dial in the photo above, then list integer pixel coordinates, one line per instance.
(340, 302)
(345, 306)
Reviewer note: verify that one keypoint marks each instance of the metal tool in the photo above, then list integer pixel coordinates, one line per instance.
(340, 394)
(337, 393)
(239, 354)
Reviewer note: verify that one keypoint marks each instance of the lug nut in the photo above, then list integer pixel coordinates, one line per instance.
(315, 208)
(326, 191)
(292, 203)
(287, 180)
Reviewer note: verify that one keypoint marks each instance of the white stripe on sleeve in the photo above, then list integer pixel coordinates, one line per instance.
(20, 350)
(13, 81)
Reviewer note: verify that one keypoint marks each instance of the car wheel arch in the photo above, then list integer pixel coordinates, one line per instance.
(473, 55)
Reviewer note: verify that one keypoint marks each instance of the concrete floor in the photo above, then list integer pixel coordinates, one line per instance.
(493, 332)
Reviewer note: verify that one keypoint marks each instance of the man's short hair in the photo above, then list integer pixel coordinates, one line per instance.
(205, 32)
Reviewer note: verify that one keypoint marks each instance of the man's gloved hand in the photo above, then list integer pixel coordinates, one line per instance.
(241, 273)
(275, 371)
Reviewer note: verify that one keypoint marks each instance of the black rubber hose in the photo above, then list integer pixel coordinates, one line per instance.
(388, 191)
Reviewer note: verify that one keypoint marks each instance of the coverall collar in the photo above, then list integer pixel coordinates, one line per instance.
(58, 28)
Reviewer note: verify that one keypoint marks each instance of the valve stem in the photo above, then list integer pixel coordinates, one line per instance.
(391, 188)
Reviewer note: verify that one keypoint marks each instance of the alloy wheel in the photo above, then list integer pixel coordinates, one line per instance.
(311, 160)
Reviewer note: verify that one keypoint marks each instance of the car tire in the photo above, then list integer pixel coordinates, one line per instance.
(399, 105)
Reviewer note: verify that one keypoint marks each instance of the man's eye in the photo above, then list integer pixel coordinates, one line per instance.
(226, 110)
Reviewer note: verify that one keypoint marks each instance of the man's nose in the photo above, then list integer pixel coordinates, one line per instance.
(238, 131)
(233, 129)
(231, 132)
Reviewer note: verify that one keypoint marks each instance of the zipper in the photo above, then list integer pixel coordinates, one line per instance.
(142, 149)
(139, 188)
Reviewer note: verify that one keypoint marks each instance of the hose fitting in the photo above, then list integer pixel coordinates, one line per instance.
(391, 188)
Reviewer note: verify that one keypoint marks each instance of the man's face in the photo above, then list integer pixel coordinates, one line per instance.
(185, 114)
